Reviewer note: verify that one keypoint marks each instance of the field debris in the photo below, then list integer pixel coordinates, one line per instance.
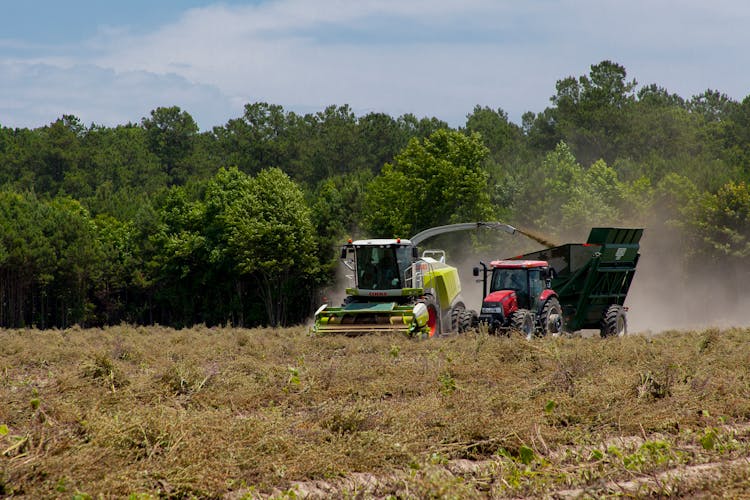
(272, 413)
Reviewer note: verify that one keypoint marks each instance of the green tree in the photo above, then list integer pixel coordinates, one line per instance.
(114, 289)
(590, 111)
(501, 137)
(440, 180)
(180, 258)
(74, 264)
(333, 145)
(272, 238)
(263, 137)
(736, 136)
(381, 138)
(26, 258)
(61, 153)
(723, 222)
(171, 133)
(566, 198)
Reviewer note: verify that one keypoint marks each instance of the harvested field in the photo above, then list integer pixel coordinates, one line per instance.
(225, 412)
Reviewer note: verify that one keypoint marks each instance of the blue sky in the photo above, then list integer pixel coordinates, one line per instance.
(111, 62)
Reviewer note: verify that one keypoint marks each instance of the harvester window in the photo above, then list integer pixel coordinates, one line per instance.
(404, 260)
(387, 273)
(378, 268)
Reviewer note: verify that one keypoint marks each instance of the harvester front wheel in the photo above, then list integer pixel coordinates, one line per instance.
(551, 319)
(433, 321)
(614, 322)
(523, 321)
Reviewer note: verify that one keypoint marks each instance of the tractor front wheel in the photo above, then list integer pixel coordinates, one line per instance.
(467, 320)
(614, 322)
(523, 321)
(456, 314)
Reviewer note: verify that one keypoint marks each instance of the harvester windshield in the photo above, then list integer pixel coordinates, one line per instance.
(382, 267)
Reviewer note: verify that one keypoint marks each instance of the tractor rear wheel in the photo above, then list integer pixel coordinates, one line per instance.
(551, 319)
(614, 322)
(523, 321)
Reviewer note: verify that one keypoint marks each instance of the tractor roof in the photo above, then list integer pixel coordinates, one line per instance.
(517, 264)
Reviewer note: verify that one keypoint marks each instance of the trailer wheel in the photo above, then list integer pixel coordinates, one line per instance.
(551, 319)
(614, 322)
(523, 321)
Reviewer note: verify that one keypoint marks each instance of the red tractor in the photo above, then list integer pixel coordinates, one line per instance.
(520, 298)
(565, 288)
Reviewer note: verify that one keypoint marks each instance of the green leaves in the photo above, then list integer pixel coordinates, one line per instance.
(440, 180)
(724, 219)
(526, 455)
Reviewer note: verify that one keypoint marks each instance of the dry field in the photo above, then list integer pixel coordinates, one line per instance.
(134, 412)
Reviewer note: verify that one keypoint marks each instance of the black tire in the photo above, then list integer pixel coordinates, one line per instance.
(551, 319)
(614, 322)
(466, 321)
(456, 314)
(523, 322)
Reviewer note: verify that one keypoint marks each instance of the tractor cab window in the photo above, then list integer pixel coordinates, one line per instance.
(377, 268)
(509, 279)
(512, 279)
(536, 283)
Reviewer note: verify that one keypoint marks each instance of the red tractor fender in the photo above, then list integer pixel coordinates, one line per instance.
(546, 294)
(544, 297)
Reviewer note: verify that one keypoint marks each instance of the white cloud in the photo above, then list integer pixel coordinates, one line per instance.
(283, 51)
(32, 95)
(429, 57)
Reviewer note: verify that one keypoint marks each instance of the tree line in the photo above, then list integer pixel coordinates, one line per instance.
(157, 222)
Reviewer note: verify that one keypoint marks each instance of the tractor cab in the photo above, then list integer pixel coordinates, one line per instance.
(527, 278)
(517, 295)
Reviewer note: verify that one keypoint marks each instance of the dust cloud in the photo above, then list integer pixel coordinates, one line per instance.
(666, 295)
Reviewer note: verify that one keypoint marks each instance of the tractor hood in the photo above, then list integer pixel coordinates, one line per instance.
(506, 298)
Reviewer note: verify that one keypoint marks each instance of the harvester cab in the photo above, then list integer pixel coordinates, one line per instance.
(382, 268)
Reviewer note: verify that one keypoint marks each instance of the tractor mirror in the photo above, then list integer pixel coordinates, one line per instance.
(343, 252)
(475, 271)
(414, 252)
